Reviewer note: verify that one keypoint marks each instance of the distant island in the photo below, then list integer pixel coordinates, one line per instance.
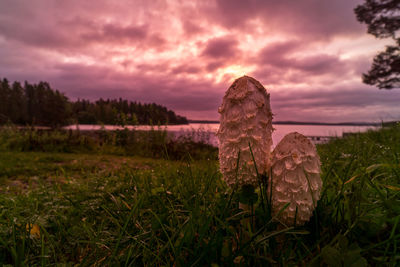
(308, 123)
(327, 123)
(40, 105)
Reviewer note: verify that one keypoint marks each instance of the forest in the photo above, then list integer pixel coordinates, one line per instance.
(41, 105)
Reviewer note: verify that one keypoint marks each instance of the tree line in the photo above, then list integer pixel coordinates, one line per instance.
(39, 104)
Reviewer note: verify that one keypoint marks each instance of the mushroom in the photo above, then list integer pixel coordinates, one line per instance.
(246, 122)
(295, 174)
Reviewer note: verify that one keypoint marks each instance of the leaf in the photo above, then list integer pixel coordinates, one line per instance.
(343, 242)
(226, 249)
(33, 230)
(247, 195)
(238, 260)
(357, 262)
(373, 167)
(331, 256)
(155, 191)
(352, 258)
(392, 187)
(352, 179)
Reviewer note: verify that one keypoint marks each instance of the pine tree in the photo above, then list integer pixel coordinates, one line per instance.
(383, 20)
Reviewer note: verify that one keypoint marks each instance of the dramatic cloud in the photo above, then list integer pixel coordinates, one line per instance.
(313, 19)
(221, 48)
(184, 54)
(337, 104)
(282, 55)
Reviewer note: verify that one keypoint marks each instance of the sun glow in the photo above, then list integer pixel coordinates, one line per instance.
(231, 73)
(84, 60)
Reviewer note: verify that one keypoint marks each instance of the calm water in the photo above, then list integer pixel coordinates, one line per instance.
(206, 132)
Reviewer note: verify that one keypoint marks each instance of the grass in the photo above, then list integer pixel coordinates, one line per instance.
(156, 143)
(100, 208)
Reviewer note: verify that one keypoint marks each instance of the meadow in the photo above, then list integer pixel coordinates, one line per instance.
(129, 198)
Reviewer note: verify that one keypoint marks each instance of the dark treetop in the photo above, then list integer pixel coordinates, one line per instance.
(383, 20)
(39, 104)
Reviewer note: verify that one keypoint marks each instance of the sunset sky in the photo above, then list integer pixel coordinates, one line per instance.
(309, 54)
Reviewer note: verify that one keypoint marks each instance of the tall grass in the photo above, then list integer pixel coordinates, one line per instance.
(156, 143)
(124, 211)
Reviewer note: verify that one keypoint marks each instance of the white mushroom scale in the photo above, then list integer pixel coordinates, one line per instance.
(246, 118)
(295, 178)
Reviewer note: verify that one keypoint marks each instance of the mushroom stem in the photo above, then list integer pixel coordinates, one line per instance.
(246, 223)
(250, 209)
(247, 198)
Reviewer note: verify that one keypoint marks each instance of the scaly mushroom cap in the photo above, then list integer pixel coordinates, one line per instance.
(295, 178)
(245, 118)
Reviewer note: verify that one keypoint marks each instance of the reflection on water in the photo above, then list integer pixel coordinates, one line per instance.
(202, 131)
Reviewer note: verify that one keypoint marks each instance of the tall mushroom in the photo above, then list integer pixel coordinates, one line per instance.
(296, 178)
(246, 119)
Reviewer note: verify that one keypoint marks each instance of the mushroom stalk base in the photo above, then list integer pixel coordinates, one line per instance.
(247, 223)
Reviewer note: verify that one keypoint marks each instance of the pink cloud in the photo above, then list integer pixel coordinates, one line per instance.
(311, 18)
(112, 32)
(184, 68)
(185, 54)
(221, 48)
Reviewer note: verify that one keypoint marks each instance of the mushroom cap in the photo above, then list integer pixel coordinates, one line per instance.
(295, 172)
(246, 119)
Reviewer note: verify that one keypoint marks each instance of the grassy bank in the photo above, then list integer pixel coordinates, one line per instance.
(156, 143)
(108, 207)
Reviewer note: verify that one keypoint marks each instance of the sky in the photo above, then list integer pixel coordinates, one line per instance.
(308, 54)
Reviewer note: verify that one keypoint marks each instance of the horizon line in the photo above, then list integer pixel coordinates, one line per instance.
(309, 123)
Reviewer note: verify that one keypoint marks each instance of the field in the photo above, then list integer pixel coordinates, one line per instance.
(114, 199)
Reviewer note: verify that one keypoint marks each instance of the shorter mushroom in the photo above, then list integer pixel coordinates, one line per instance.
(295, 173)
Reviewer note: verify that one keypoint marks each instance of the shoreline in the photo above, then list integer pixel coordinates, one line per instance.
(309, 123)
(118, 127)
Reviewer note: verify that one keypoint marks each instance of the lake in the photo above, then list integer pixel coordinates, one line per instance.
(206, 131)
